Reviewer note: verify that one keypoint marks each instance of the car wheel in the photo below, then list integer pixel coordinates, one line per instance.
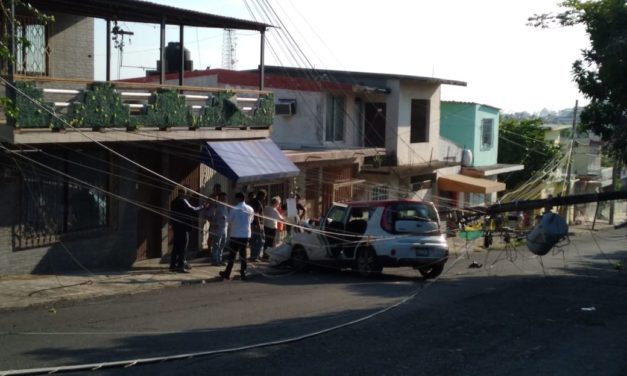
(300, 261)
(366, 262)
(431, 271)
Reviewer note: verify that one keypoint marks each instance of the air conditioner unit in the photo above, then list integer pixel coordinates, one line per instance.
(285, 107)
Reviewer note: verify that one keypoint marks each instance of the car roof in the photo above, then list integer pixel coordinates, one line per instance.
(381, 202)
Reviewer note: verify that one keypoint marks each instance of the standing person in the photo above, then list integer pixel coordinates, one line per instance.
(182, 220)
(256, 240)
(300, 214)
(217, 216)
(271, 216)
(300, 208)
(239, 220)
(211, 207)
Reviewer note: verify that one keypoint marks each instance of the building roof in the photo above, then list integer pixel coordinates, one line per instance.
(145, 12)
(248, 78)
(353, 77)
(473, 103)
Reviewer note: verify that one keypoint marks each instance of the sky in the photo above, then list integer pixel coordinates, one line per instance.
(485, 43)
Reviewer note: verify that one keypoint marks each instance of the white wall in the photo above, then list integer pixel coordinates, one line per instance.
(449, 151)
(306, 127)
(417, 153)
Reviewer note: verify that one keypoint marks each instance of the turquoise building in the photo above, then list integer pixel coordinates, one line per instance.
(474, 127)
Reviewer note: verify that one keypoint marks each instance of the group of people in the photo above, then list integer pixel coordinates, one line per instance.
(249, 223)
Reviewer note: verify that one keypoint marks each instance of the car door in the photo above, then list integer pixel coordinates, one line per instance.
(332, 229)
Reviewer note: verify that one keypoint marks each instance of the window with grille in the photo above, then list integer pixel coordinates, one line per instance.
(52, 205)
(31, 56)
(336, 108)
(379, 193)
(487, 134)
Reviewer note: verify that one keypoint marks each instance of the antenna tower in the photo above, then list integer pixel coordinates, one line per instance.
(229, 49)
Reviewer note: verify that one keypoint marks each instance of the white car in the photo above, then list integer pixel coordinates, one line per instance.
(368, 236)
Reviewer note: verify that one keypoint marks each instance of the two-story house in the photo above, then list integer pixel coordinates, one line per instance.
(396, 114)
(89, 168)
(474, 128)
(353, 135)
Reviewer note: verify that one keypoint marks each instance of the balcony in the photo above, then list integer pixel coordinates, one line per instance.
(50, 110)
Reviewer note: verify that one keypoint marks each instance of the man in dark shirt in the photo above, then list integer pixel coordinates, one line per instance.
(183, 218)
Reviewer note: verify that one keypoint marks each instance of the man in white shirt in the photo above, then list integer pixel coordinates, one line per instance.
(239, 219)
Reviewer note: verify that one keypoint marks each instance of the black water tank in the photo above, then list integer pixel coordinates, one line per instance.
(173, 58)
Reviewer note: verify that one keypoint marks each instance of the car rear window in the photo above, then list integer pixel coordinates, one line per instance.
(408, 211)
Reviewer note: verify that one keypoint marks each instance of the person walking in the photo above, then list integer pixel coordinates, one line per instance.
(182, 221)
(256, 240)
(217, 215)
(239, 221)
(271, 216)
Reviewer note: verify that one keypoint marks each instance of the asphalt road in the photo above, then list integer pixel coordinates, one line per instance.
(564, 314)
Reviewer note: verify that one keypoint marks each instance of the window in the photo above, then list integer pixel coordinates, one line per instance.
(419, 126)
(52, 205)
(487, 134)
(31, 58)
(379, 193)
(334, 130)
(408, 212)
(476, 199)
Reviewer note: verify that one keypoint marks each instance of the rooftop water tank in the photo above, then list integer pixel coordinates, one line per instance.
(173, 59)
(466, 158)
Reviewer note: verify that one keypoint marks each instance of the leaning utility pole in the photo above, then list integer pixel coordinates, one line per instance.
(547, 203)
(564, 209)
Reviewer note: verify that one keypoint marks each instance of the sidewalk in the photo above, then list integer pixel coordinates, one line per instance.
(20, 291)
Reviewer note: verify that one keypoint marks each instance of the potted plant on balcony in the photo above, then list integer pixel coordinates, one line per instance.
(377, 160)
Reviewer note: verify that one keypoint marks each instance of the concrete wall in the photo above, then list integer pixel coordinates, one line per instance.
(71, 42)
(306, 126)
(457, 123)
(399, 111)
(114, 246)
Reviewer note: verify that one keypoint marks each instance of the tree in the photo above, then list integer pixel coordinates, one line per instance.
(522, 142)
(601, 74)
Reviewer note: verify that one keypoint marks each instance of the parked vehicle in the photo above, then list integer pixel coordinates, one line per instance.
(368, 236)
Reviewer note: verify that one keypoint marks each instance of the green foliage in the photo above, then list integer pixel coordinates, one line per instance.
(101, 107)
(28, 113)
(602, 72)
(264, 114)
(212, 115)
(522, 142)
(168, 109)
(221, 110)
